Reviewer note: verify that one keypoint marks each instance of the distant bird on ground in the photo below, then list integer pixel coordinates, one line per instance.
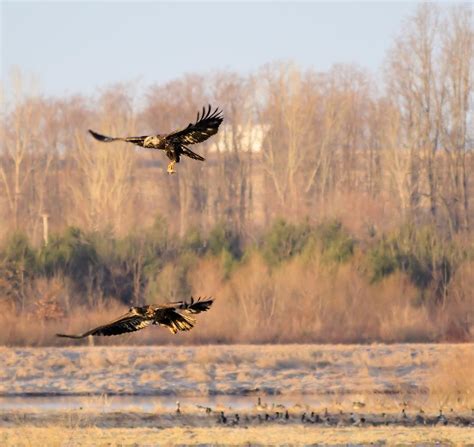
(175, 143)
(441, 419)
(358, 405)
(222, 419)
(260, 406)
(208, 410)
(419, 419)
(175, 316)
(236, 419)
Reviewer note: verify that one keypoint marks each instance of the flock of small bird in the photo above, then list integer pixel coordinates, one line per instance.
(262, 413)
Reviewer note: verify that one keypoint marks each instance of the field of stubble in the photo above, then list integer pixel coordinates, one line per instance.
(309, 394)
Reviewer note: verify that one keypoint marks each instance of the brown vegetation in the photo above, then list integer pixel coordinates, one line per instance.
(452, 383)
(299, 301)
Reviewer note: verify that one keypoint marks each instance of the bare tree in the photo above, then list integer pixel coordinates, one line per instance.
(233, 149)
(168, 107)
(288, 111)
(414, 86)
(22, 156)
(457, 70)
(102, 190)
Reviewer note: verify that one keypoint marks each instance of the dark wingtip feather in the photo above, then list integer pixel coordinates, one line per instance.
(194, 306)
(208, 113)
(100, 137)
(96, 135)
(200, 305)
(69, 336)
(217, 114)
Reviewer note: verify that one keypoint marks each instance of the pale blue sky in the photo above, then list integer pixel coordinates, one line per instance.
(77, 47)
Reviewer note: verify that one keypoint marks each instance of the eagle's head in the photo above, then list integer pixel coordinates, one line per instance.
(152, 141)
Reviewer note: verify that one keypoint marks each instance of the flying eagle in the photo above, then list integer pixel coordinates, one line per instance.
(175, 143)
(175, 316)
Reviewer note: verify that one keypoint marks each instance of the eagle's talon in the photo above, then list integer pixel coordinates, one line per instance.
(170, 168)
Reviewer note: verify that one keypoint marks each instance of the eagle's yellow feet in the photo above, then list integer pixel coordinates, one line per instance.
(171, 167)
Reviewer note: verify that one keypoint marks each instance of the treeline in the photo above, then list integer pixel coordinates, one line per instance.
(295, 282)
(294, 143)
(373, 180)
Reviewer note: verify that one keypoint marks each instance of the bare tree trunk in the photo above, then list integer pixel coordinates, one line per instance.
(415, 86)
(103, 190)
(457, 66)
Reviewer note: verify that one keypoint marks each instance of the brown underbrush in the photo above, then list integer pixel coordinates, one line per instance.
(303, 300)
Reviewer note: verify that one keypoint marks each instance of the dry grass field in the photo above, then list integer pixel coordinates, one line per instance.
(275, 435)
(334, 394)
(404, 371)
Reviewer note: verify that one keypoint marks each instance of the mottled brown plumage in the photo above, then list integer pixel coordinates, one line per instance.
(174, 144)
(175, 316)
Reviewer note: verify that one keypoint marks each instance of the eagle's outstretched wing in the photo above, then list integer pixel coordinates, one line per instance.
(130, 322)
(106, 139)
(170, 314)
(206, 125)
(195, 306)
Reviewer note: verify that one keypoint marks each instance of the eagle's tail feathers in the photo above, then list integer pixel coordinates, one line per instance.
(191, 154)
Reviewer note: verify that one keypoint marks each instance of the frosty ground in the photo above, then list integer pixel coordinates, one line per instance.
(127, 395)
